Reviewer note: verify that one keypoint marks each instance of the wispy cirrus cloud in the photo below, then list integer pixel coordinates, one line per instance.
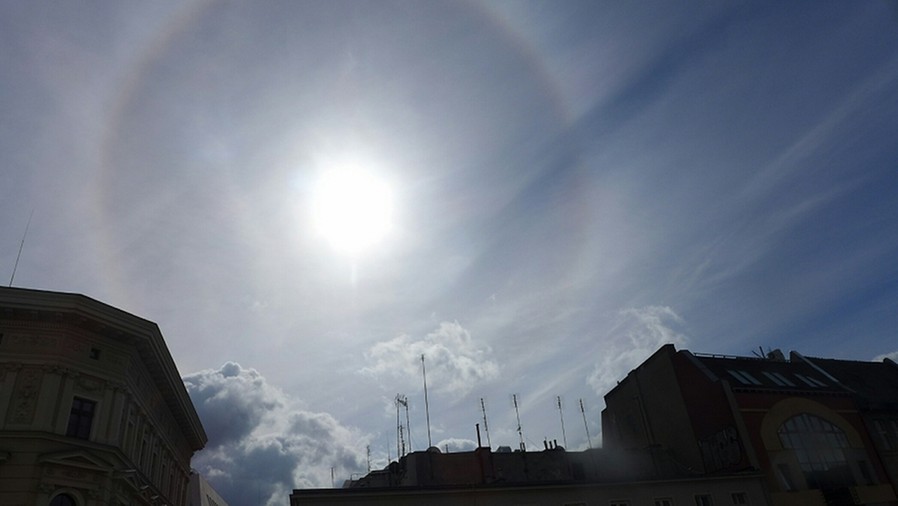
(455, 361)
(638, 333)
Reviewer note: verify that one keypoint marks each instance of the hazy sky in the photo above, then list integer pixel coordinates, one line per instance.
(573, 185)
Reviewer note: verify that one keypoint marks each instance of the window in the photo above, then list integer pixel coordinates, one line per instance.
(778, 378)
(811, 382)
(818, 446)
(81, 418)
(703, 500)
(95, 353)
(663, 501)
(888, 433)
(744, 377)
(739, 498)
(619, 502)
(785, 475)
(63, 500)
(866, 475)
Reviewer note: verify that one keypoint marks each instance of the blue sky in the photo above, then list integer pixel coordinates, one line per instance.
(574, 184)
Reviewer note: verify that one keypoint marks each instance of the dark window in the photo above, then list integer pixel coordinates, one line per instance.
(864, 467)
(739, 497)
(665, 501)
(63, 500)
(95, 353)
(703, 500)
(818, 446)
(80, 418)
(786, 476)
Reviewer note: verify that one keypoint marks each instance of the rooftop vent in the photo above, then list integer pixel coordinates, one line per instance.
(776, 355)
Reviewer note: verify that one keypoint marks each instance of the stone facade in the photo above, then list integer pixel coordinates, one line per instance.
(92, 407)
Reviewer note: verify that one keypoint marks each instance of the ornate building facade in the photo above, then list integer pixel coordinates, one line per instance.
(92, 408)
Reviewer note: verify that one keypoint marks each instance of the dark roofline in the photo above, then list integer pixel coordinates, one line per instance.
(519, 485)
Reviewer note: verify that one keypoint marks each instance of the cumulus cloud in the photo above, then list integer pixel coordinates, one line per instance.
(456, 445)
(261, 444)
(891, 356)
(455, 362)
(637, 334)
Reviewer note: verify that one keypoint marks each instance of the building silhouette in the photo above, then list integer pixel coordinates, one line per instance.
(549, 477)
(92, 408)
(821, 431)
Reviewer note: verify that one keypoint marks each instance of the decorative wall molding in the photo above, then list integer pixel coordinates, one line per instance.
(25, 395)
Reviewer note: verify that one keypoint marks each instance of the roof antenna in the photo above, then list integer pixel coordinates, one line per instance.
(583, 410)
(517, 413)
(486, 427)
(426, 403)
(401, 400)
(21, 245)
(561, 414)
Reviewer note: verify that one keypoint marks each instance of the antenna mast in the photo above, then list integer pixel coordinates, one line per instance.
(426, 403)
(486, 427)
(401, 400)
(514, 398)
(21, 245)
(582, 410)
(561, 414)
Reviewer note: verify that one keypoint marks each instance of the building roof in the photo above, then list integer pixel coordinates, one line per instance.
(875, 384)
(103, 319)
(774, 372)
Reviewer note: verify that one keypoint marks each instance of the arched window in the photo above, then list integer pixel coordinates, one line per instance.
(63, 500)
(818, 446)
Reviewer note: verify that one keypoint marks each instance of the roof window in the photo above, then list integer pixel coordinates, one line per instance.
(778, 378)
(811, 382)
(744, 377)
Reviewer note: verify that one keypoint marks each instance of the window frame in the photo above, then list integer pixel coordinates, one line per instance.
(80, 421)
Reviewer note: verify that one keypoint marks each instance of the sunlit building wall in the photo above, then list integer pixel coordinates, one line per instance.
(201, 493)
(92, 408)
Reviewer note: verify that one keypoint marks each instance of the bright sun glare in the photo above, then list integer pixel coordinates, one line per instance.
(352, 209)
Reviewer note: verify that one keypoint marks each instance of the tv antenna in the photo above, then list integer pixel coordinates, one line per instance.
(486, 427)
(21, 245)
(401, 400)
(585, 424)
(561, 414)
(514, 398)
(426, 403)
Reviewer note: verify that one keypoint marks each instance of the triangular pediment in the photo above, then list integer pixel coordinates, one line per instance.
(82, 458)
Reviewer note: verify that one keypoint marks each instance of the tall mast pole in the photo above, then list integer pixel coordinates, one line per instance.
(583, 410)
(486, 426)
(514, 398)
(561, 414)
(426, 402)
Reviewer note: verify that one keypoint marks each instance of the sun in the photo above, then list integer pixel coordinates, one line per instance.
(352, 209)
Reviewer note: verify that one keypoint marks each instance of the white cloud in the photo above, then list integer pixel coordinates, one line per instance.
(455, 362)
(637, 334)
(457, 445)
(891, 356)
(261, 445)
